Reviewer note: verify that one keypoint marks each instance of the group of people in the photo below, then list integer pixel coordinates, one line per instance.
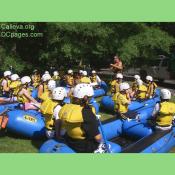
(122, 94)
(77, 121)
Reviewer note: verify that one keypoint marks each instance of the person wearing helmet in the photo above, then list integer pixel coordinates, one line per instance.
(24, 93)
(164, 112)
(116, 83)
(43, 87)
(5, 83)
(14, 85)
(78, 77)
(134, 84)
(141, 90)
(51, 85)
(69, 79)
(122, 100)
(56, 77)
(85, 78)
(151, 86)
(36, 78)
(95, 79)
(79, 121)
(50, 108)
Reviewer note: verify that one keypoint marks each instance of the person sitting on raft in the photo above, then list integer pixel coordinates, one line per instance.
(69, 79)
(79, 121)
(50, 108)
(24, 93)
(164, 112)
(78, 77)
(134, 84)
(95, 79)
(151, 86)
(5, 83)
(122, 101)
(116, 83)
(36, 78)
(85, 78)
(13, 89)
(43, 87)
(56, 76)
(140, 94)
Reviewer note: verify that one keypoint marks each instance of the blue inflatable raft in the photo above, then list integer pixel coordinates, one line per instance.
(26, 123)
(126, 137)
(102, 90)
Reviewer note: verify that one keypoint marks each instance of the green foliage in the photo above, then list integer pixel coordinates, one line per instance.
(77, 44)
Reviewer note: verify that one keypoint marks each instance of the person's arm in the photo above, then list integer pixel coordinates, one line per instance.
(58, 122)
(5, 86)
(156, 110)
(98, 79)
(30, 98)
(40, 90)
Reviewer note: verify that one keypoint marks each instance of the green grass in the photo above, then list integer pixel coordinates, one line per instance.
(10, 143)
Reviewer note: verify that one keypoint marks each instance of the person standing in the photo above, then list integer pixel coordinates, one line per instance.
(117, 67)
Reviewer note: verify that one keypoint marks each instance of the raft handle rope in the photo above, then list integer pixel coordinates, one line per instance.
(103, 134)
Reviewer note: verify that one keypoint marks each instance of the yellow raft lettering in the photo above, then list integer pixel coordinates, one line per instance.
(29, 118)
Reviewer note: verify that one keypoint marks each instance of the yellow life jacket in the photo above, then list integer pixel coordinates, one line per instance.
(45, 95)
(71, 116)
(150, 90)
(141, 92)
(36, 80)
(47, 109)
(22, 98)
(120, 101)
(15, 86)
(85, 80)
(8, 83)
(56, 77)
(93, 79)
(134, 86)
(70, 80)
(166, 113)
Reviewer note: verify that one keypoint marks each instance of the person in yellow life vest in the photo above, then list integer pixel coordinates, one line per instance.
(36, 78)
(134, 84)
(5, 83)
(164, 112)
(141, 90)
(47, 94)
(79, 121)
(69, 79)
(95, 79)
(56, 76)
(151, 85)
(50, 108)
(116, 83)
(85, 78)
(122, 101)
(43, 87)
(24, 93)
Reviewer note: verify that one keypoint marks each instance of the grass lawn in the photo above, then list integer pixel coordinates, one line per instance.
(10, 143)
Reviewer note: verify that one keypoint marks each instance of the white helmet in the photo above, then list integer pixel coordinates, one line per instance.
(124, 86)
(7, 73)
(46, 77)
(119, 75)
(84, 73)
(55, 73)
(59, 93)
(80, 71)
(46, 72)
(14, 77)
(149, 78)
(136, 77)
(139, 82)
(165, 94)
(93, 72)
(51, 85)
(70, 71)
(25, 79)
(82, 90)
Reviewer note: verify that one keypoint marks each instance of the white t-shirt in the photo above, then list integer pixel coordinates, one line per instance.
(56, 112)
